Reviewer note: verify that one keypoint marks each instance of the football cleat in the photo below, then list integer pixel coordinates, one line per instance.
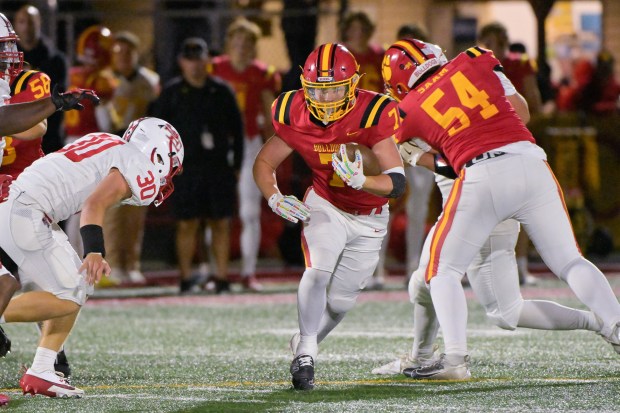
(403, 362)
(446, 368)
(302, 370)
(4, 400)
(62, 365)
(48, 383)
(250, 283)
(5, 343)
(612, 337)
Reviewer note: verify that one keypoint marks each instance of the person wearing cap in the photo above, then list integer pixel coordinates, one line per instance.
(205, 112)
(137, 87)
(40, 54)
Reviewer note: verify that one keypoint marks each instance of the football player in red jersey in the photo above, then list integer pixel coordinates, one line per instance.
(469, 111)
(493, 272)
(256, 85)
(345, 213)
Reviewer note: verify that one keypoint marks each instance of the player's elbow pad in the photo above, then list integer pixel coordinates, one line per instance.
(442, 168)
(399, 183)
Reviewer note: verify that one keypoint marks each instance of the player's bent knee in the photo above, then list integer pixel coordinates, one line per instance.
(505, 323)
(340, 305)
(418, 289)
(316, 277)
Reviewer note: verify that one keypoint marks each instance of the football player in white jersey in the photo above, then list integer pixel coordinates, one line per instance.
(90, 175)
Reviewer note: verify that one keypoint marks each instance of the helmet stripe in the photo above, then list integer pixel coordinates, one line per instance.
(324, 55)
(413, 51)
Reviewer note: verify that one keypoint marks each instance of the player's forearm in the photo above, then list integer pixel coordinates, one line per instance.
(35, 132)
(265, 178)
(21, 116)
(380, 185)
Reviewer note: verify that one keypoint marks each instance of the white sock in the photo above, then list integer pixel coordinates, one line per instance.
(307, 345)
(451, 309)
(2, 320)
(43, 360)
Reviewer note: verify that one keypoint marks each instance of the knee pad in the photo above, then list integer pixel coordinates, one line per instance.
(313, 277)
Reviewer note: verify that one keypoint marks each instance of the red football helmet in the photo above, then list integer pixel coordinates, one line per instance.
(329, 79)
(405, 62)
(94, 46)
(11, 60)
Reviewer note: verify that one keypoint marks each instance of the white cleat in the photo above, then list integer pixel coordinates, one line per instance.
(403, 362)
(48, 383)
(446, 368)
(612, 336)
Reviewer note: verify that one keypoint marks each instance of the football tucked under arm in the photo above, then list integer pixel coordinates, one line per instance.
(369, 159)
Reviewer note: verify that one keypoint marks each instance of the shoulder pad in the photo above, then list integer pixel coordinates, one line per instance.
(372, 114)
(475, 51)
(21, 80)
(282, 110)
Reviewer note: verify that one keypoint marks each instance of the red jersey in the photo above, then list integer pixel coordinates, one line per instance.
(248, 86)
(370, 67)
(82, 122)
(517, 69)
(28, 86)
(461, 110)
(374, 117)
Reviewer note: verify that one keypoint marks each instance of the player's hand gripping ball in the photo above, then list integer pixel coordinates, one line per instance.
(353, 163)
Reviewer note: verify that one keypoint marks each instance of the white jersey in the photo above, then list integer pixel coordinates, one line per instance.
(61, 181)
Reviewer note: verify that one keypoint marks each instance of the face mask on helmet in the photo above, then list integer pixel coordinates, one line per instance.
(162, 145)
(330, 76)
(11, 60)
(406, 62)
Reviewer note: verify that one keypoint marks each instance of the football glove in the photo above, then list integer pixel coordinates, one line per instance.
(412, 150)
(5, 182)
(351, 173)
(289, 207)
(71, 99)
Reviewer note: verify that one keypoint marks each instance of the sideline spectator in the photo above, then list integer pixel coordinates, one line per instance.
(255, 85)
(39, 54)
(137, 87)
(204, 111)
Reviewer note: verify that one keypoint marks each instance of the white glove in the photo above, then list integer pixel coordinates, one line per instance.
(289, 207)
(411, 152)
(351, 173)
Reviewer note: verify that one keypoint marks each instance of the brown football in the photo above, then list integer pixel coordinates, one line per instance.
(371, 163)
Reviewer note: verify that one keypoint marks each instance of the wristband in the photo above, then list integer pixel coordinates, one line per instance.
(92, 239)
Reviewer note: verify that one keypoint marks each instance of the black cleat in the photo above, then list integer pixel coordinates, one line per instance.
(302, 370)
(5, 343)
(62, 364)
(222, 286)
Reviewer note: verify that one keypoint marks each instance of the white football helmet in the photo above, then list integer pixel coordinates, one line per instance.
(161, 143)
(11, 60)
